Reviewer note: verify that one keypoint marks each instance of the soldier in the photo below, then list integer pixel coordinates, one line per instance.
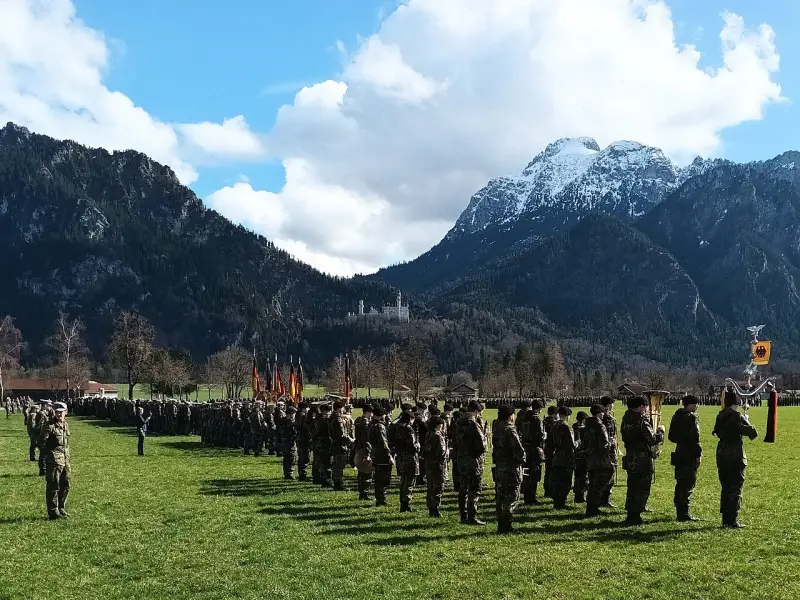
(340, 444)
(361, 427)
(421, 430)
(508, 456)
(288, 437)
(43, 419)
(381, 456)
(33, 433)
(607, 402)
(533, 437)
(258, 427)
(598, 460)
(549, 422)
(323, 446)
(581, 477)
(731, 458)
(452, 442)
(640, 450)
(407, 451)
(471, 450)
(436, 455)
(305, 428)
(54, 442)
(684, 431)
(563, 458)
(141, 428)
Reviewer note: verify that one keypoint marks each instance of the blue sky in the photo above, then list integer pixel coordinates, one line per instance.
(353, 132)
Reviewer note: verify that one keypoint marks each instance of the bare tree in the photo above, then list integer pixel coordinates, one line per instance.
(131, 346)
(368, 369)
(334, 376)
(232, 368)
(656, 377)
(391, 368)
(523, 369)
(72, 357)
(417, 365)
(10, 347)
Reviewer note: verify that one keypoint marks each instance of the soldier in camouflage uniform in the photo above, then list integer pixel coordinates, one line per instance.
(641, 445)
(43, 419)
(54, 444)
(407, 453)
(549, 422)
(730, 427)
(340, 444)
(508, 456)
(581, 475)
(303, 441)
(598, 460)
(452, 441)
(684, 431)
(533, 437)
(471, 451)
(381, 455)
(323, 446)
(607, 402)
(436, 454)
(361, 428)
(30, 425)
(563, 458)
(289, 439)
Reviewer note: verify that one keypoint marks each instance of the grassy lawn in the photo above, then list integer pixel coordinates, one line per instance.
(206, 393)
(187, 521)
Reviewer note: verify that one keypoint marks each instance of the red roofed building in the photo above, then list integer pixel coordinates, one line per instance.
(50, 388)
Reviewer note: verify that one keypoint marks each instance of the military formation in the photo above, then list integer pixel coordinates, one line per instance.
(426, 448)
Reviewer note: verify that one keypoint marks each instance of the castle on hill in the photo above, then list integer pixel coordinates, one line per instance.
(392, 312)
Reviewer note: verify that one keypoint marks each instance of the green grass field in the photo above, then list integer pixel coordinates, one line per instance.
(206, 393)
(188, 521)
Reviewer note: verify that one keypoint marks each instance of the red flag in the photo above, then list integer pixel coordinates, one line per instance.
(279, 389)
(292, 381)
(347, 376)
(300, 380)
(256, 380)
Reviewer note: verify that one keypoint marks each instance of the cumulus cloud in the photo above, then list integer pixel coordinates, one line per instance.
(449, 93)
(51, 80)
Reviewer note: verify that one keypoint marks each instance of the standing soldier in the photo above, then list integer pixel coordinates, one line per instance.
(436, 454)
(471, 451)
(731, 459)
(289, 439)
(33, 433)
(420, 426)
(508, 456)
(598, 460)
(533, 437)
(340, 444)
(581, 480)
(323, 446)
(141, 428)
(361, 427)
(381, 456)
(43, 420)
(303, 441)
(54, 442)
(452, 442)
(563, 458)
(640, 451)
(407, 452)
(549, 422)
(684, 431)
(607, 402)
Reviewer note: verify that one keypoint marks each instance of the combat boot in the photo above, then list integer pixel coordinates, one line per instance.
(502, 526)
(684, 516)
(472, 519)
(435, 513)
(633, 519)
(381, 502)
(592, 510)
(405, 507)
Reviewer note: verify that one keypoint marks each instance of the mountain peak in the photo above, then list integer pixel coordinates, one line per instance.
(572, 144)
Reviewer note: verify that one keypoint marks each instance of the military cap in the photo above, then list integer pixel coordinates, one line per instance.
(537, 403)
(60, 407)
(291, 410)
(504, 412)
(422, 405)
(564, 411)
(527, 403)
(636, 402)
(731, 398)
(436, 421)
(606, 400)
(367, 408)
(687, 400)
(378, 412)
(581, 415)
(337, 405)
(45, 401)
(406, 406)
(325, 407)
(348, 408)
(435, 411)
(551, 410)
(474, 406)
(448, 408)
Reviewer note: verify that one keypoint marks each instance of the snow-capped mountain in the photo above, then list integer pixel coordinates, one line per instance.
(571, 178)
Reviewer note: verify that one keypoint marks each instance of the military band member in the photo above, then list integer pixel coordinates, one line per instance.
(684, 431)
(641, 444)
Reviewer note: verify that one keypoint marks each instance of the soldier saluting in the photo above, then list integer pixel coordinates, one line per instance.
(730, 427)
(684, 430)
(54, 444)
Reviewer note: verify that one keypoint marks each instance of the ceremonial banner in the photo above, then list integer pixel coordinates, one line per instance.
(279, 389)
(256, 381)
(300, 380)
(292, 390)
(772, 417)
(347, 377)
(761, 351)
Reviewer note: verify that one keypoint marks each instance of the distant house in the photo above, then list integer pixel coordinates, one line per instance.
(631, 388)
(37, 389)
(460, 390)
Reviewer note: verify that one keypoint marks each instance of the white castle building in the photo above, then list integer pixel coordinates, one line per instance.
(393, 312)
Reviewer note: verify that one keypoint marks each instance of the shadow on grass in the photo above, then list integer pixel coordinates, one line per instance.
(116, 427)
(197, 448)
(20, 520)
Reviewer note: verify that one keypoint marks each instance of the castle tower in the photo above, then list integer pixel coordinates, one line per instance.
(399, 303)
(360, 308)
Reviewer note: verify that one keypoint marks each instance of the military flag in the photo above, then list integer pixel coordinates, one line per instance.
(300, 380)
(292, 381)
(256, 380)
(279, 389)
(347, 387)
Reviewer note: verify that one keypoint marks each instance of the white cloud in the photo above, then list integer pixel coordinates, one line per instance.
(51, 80)
(232, 140)
(449, 93)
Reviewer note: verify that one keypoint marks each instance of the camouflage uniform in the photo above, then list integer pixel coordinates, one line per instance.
(361, 429)
(407, 451)
(508, 456)
(288, 435)
(731, 461)
(640, 445)
(581, 474)
(471, 450)
(611, 428)
(30, 424)
(340, 444)
(452, 441)
(598, 463)
(323, 449)
(436, 454)
(563, 463)
(303, 445)
(684, 430)
(533, 438)
(381, 459)
(54, 444)
(42, 422)
(549, 422)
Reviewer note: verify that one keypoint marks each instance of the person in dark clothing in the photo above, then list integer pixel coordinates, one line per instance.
(141, 427)
(730, 427)
(684, 431)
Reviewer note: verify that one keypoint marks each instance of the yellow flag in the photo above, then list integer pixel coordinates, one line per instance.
(761, 351)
